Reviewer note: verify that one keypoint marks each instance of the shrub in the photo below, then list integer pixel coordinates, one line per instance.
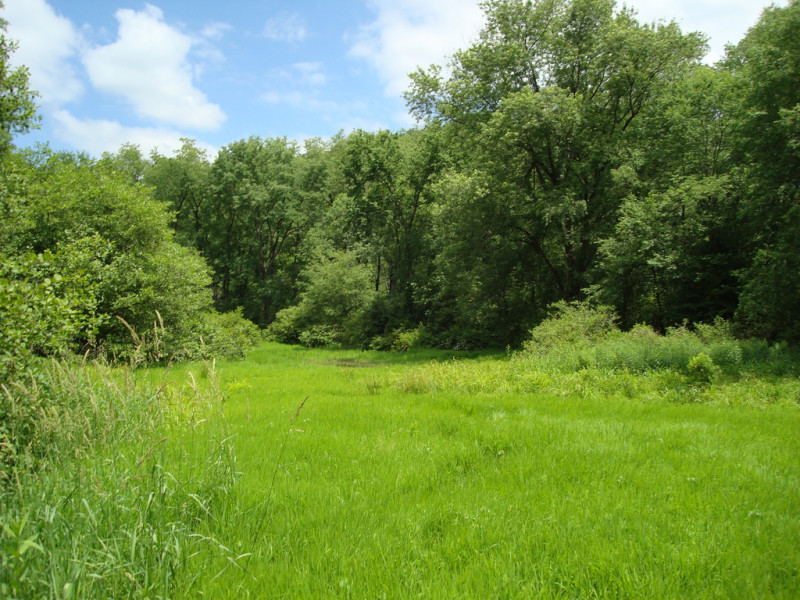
(113, 234)
(412, 338)
(701, 368)
(47, 305)
(579, 337)
(321, 335)
(571, 323)
(229, 335)
(333, 309)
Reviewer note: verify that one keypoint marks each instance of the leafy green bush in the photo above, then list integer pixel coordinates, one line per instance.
(412, 338)
(334, 306)
(146, 288)
(701, 368)
(571, 323)
(579, 337)
(229, 335)
(44, 309)
(320, 335)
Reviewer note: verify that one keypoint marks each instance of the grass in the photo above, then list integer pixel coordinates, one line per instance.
(443, 475)
(416, 475)
(118, 488)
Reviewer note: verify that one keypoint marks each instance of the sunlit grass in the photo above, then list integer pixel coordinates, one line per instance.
(414, 474)
(417, 474)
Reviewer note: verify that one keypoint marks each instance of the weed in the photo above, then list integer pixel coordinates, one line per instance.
(103, 504)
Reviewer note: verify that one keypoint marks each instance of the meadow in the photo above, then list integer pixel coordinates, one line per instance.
(309, 473)
(421, 475)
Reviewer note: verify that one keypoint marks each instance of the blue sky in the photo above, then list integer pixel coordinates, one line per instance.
(116, 71)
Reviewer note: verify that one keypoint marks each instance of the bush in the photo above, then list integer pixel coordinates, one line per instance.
(229, 335)
(701, 368)
(412, 338)
(571, 323)
(320, 335)
(47, 305)
(579, 337)
(117, 237)
(334, 306)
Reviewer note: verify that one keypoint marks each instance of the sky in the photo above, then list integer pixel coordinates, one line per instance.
(111, 72)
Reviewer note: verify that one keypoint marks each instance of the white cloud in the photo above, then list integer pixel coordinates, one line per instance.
(285, 28)
(215, 31)
(310, 73)
(47, 41)
(148, 67)
(415, 33)
(411, 33)
(724, 21)
(97, 136)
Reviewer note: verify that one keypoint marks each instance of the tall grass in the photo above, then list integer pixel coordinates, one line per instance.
(117, 488)
(580, 351)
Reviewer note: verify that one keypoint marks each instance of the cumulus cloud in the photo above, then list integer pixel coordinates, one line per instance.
(47, 42)
(285, 28)
(148, 67)
(96, 136)
(415, 33)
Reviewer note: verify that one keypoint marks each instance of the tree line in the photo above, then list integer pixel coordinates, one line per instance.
(571, 153)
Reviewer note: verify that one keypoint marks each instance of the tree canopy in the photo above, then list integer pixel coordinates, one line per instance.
(570, 153)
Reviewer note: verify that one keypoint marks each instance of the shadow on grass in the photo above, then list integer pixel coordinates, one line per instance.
(273, 352)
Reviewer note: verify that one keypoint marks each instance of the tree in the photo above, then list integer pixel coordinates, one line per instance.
(543, 107)
(333, 306)
(766, 67)
(680, 238)
(182, 181)
(389, 179)
(261, 204)
(673, 255)
(117, 238)
(17, 100)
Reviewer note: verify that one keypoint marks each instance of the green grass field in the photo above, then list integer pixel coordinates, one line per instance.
(412, 475)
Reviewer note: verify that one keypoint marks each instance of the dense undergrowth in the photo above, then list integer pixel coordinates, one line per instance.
(580, 351)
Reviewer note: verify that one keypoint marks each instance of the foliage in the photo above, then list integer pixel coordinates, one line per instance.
(542, 109)
(148, 294)
(770, 298)
(334, 305)
(228, 335)
(571, 324)
(578, 337)
(261, 204)
(702, 368)
(390, 180)
(17, 100)
(47, 305)
(673, 254)
(569, 152)
(182, 181)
